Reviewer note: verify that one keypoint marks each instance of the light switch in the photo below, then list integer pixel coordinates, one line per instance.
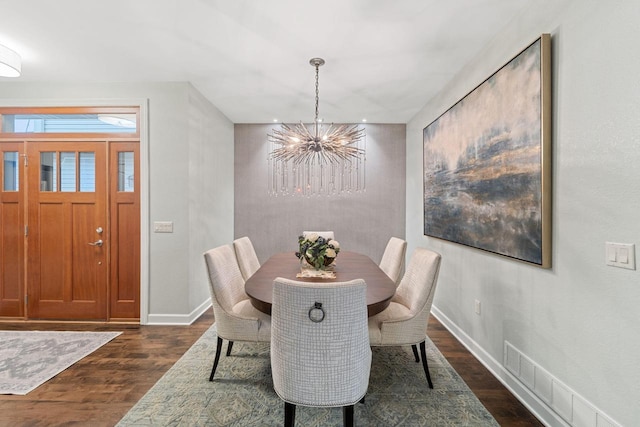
(163, 227)
(621, 255)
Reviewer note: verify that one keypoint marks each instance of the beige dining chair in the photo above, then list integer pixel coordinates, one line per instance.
(320, 353)
(392, 262)
(404, 322)
(235, 318)
(328, 235)
(247, 258)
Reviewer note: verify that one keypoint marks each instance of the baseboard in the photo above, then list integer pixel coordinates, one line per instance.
(179, 319)
(536, 406)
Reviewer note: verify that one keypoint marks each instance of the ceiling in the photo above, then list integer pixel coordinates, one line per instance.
(384, 59)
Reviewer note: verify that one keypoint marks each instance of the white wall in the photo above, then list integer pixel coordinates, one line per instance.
(210, 191)
(580, 319)
(190, 152)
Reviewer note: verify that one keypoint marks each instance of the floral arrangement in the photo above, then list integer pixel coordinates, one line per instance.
(318, 251)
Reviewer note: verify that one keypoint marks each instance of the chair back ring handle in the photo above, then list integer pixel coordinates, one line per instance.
(316, 313)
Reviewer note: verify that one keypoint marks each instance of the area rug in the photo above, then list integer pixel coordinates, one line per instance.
(29, 358)
(242, 392)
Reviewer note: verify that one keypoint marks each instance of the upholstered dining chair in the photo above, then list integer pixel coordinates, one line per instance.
(247, 258)
(235, 318)
(320, 353)
(326, 234)
(392, 262)
(404, 322)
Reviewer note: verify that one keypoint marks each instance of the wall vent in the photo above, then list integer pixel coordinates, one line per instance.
(572, 407)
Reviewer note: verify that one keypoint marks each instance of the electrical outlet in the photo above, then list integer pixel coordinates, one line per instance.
(477, 307)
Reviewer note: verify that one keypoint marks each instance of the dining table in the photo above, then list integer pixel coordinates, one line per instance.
(347, 266)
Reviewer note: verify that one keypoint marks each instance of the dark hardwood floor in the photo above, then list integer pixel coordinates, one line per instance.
(504, 407)
(102, 387)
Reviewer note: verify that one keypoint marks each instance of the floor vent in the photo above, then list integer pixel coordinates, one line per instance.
(572, 407)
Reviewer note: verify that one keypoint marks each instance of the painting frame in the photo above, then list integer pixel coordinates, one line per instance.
(487, 162)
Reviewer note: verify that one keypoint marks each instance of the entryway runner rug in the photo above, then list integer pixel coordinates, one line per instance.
(29, 358)
(242, 392)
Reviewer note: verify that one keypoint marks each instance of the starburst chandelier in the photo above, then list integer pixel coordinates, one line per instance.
(328, 160)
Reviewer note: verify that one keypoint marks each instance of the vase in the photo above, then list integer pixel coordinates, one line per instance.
(327, 261)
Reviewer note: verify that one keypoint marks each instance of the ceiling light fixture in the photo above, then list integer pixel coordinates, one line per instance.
(328, 160)
(10, 62)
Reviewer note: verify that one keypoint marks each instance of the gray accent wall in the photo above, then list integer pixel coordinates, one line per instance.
(580, 320)
(362, 222)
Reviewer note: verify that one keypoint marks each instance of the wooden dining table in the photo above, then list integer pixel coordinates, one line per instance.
(347, 266)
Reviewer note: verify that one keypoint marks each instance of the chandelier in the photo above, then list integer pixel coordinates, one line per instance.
(322, 161)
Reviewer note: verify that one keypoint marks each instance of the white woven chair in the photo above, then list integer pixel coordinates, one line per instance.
(404, 322)
(392, 262)
(247, 258)
(320, 353)
(236, 319)
(326, 234)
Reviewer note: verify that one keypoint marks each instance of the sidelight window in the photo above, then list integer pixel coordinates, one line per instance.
(125, 171)
(10, 171)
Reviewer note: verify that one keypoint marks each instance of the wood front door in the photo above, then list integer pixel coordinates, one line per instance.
(67, 231)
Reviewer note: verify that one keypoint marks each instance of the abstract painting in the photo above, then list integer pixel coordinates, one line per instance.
(487, 171)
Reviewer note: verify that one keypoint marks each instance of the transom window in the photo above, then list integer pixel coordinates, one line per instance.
(68, 123)
(112, 121)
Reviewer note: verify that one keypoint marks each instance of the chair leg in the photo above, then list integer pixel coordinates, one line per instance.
(229, 346)
(289, 414)
(217, 359)
(423, 353)
(347, 416)
(415, 352)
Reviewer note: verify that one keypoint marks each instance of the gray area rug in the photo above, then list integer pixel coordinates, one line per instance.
(242, 392)
(29, 358)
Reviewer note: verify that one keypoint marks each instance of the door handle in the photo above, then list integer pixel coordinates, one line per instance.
(96, 243)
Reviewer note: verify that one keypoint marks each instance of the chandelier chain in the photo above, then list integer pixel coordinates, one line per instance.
(317, 90)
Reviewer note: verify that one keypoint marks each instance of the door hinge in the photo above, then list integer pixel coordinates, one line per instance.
(26, 160)
(26, 230)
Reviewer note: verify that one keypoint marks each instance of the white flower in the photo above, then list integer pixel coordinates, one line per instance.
(312, 237)
(330, 253)
(334, 244)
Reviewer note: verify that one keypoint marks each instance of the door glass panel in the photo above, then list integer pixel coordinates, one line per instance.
(88, 172)
(48, 170)
(10, 171)
(125, 171)
(68, 171)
